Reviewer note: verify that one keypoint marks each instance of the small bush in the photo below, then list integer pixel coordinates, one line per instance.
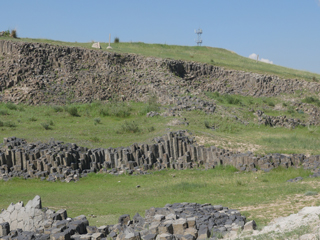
(119, 110)
(73, 111)
(284, 104)
(1, 123)
(51, 123)
(239, 183)
(6, 33)
(128, 127)
(3, 112)
(45, 126)
(312, 100)
(116, 40)
(9, 124)
(57, 109)
(310, 193)
(11, 106)
(152, 105)
(97, 121)
(291, 110)
(95, 139)
(232, 99)
(14, 33)
(151, 129)
(104, 112)
(33, 119)
(271, 104)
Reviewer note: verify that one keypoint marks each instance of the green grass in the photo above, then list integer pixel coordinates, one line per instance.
(209, 55)
(122, 124)
(108, 196)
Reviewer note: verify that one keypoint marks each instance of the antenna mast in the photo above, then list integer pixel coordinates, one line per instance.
(199, 40)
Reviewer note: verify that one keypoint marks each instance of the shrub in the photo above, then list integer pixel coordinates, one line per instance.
(104, 112)
(11, 106)
(232, 99)
(45, 126)
(1, 123)
(310, 193)
(14, 33)
(313, 100)
(95, 139)
(271, 104)
(119, 110)
(32, 119)
(96, 121)
(291, 110)
(57, 108)
(152, 105)
(3, 112)
(9, 124)
(151, 129)
(73, 111)
(128, 127)
(6, 33)
(116, 40)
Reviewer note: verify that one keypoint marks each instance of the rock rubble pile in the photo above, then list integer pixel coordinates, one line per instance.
(185, 221)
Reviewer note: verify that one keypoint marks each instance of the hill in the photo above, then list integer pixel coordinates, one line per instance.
(213, 56)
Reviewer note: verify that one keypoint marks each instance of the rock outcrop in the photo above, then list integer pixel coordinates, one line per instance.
(56, 161)
(37, 73)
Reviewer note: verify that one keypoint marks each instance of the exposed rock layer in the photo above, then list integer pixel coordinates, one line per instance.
(41, 73)
(67, 162)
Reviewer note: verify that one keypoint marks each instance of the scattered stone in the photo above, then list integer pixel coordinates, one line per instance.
(152, 114)
(96, 45)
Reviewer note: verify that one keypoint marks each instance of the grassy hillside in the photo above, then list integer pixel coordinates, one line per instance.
(209, 55)
(122, 124)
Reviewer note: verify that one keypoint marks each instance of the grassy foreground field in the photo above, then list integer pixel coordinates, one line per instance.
(259, 196)
(209, 55)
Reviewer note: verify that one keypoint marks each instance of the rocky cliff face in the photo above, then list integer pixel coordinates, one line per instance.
(37, 73)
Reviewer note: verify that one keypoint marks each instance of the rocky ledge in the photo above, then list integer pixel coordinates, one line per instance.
(178, 221)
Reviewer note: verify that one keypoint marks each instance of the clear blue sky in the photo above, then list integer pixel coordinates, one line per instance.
(286, 32)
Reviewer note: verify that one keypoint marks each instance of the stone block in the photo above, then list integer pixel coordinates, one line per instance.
(132, 236)
(167, 228)
(191, 222)
(250, 226)
(179, 226)
(4, 229)
(97, 236)
(159, 217)
(165, 236)
(62, 213)
(154, 227)
(188, 237)
(96, 45)
(124, 219)
(149, 236)
(203, 232)
(193, 231)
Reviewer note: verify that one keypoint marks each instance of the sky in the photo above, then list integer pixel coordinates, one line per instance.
(281, 32)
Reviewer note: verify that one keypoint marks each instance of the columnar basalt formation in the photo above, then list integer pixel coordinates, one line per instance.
(177, 150)
(41, 73)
